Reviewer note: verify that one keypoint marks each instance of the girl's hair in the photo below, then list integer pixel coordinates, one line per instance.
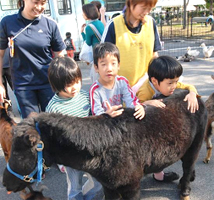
(164, 67)
(63, 71)
(90, 11)
(100, 51)
(129, 3)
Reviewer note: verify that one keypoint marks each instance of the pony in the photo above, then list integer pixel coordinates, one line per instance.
(209, 103)
(6, 124)
(118, 151)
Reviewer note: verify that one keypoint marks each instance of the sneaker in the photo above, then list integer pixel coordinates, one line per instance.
(61, 168)
(168, 177)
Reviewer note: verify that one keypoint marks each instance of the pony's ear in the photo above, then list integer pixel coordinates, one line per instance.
(32, 138)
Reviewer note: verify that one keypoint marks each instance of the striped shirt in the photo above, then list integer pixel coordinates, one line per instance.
(119, 94)
(78, 106)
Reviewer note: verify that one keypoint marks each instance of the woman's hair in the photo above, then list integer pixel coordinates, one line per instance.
(164, 67)
(97, 4)
(90, 11)
(129, 3)
(100, 51)
(63, 71)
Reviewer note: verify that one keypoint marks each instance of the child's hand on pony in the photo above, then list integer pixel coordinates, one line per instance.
(114, 111)
(155, 102)
(117, 110)
(192, 101)
(139, 112)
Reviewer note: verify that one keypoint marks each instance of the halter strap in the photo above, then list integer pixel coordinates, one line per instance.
(39, 167)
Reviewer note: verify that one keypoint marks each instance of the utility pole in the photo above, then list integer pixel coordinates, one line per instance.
(184, 15)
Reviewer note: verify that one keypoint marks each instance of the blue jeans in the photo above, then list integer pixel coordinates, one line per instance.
(76, 189)
(33, 100)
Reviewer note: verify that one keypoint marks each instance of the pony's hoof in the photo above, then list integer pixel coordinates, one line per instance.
(206, 160)
(185, 198)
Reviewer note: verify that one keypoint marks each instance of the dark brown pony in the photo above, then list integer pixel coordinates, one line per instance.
(118, 151)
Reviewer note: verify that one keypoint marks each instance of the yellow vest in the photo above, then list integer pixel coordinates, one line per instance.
(136, 50)
(146, 92)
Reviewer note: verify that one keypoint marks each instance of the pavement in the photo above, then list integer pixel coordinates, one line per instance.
(196, 72)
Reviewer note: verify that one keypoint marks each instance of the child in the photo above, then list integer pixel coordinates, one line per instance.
(164, 73)
(110, 91)
(66, 80)
(70, 47)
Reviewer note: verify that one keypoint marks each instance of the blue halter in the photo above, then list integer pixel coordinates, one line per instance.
(29, 178)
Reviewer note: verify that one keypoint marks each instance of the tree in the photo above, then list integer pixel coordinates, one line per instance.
(185, 13)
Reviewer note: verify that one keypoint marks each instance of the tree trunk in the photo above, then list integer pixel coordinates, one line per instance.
(211, 6)
(211, 11)
(212, 27)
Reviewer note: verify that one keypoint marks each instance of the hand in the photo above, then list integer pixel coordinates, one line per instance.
(83, 27)
(155, 102)
(102, 10)
(139, 112)
(114, 111)
(192, 101)
(2, 93)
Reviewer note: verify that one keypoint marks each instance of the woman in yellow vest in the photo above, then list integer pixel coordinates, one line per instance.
(135, 34)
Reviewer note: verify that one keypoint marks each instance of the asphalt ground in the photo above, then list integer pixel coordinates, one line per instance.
(196, 72)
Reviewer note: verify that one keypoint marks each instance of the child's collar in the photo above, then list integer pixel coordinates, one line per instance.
(157, 93)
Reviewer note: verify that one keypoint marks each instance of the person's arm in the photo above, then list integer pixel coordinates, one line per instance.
(58, 54)
(109, 33)
(95, 101)
(145, 94)
(98, 107)
(82, 31)
(57, 43)
(73, 45)
(187, 87)
(191, 98)
(157, 43)
(2, 89)
(88, 35)
(131, 100)
(128, 95)
(102, 15)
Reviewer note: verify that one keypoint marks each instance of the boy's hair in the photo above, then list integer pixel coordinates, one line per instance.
(68, 34)
(63, 71)
(100, 51)
(164, 67)
(90, 11)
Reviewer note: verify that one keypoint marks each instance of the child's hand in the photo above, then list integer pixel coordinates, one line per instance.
(139, 112)
(114, 111)
(155, 102)
(192, 101)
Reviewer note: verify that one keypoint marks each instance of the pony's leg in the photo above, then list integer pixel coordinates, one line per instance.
(209, 132)
(111, 194)
(188, 165)
(130, 192)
